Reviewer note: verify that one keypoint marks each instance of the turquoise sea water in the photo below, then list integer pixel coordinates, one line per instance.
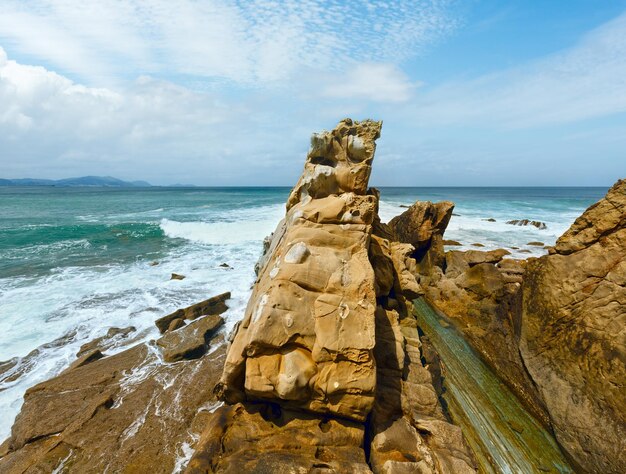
(77, 261)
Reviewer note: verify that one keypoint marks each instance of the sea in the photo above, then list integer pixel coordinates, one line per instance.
(75, 262)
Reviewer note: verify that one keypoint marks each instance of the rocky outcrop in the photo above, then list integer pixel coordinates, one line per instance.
(573, 336)
(327, 358)
(423, 225)
(128, 412)
(307, 338)
(481, 294)
(524, 222)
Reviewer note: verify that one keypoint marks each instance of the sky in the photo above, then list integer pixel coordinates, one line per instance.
(227, 93)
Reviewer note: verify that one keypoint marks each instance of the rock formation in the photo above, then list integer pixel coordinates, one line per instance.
(327, 357)
(127, 412)
(552, 327)
(573, 334)
(422, 226)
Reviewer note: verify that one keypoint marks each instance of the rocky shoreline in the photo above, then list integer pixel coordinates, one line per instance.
(329, 370)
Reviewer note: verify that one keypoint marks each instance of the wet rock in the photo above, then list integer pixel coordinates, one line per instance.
(525, 222)
(153, 263)
(176, 324)
(189, 342)
(451, 242)
(177, 276)
(536, 244)
(491, 219)
(477, 244)
(225, 265)
(213, 305)
(573, 337)
(86, 358)
(124, 413)
(112, 337)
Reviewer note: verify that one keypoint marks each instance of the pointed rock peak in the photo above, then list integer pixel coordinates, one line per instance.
(338, 161)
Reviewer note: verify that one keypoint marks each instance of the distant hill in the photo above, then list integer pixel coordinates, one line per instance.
(72, 182)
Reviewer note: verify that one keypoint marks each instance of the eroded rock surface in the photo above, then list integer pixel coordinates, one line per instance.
(327, 359)
(307, 338)
(573, 334)
(129, 412)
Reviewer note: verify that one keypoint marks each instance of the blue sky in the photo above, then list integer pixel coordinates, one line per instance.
(472, 93)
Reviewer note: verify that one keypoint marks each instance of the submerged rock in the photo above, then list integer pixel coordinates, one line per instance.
(573, 336)
(524, 222)
(177, 276)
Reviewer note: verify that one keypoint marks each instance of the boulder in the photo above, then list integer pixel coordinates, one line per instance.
(177, 276)
(211, 306)
(190, 341)
(573, 334)
(420, 223)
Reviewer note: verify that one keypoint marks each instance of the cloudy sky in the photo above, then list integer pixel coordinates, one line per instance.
(472, 92)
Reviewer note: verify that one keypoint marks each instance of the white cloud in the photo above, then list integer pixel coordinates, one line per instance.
(584, 82)
(369, 81)
(245, 42)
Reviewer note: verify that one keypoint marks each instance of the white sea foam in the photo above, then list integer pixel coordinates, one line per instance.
(247, 228)
(87, 301)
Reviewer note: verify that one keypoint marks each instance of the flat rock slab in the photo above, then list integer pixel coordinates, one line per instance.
(214, 305)
(126, 413)
(190, 341)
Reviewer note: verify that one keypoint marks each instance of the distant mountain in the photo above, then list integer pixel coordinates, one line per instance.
(107, 181)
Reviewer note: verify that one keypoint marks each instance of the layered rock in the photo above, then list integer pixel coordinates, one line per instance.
(573, 334)
(127, 412)
(307, 337)
(328, 340)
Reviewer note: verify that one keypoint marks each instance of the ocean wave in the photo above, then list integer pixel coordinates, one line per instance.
(217, 233)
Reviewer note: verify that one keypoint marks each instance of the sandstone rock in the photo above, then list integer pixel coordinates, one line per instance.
(523, 222)
(176, 276)
(175, 324)
(480, 292)
(268, 438)
(191, 341)
(308, 334)
(601, 219)
(214, 305)
(477, 244)
(124, 413)
(422, 221)
(86, 358)
(536, 244)
(112, 337)
(573, 336)
(451, 242)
